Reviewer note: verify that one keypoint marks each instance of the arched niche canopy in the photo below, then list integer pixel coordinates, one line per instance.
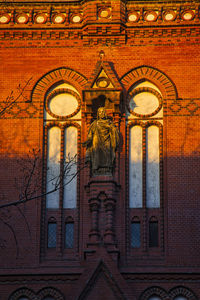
(102, 90)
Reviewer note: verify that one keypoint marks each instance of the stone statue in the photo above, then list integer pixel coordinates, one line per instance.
(102, 142)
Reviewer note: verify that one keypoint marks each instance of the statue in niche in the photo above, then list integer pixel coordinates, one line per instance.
(102, 142)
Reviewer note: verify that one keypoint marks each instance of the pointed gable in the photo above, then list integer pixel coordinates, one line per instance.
(103, 77)
(102, 285)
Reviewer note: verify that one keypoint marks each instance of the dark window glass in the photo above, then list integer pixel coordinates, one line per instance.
(135, 235)
(153, 234)
(52, 235)
(69, 235)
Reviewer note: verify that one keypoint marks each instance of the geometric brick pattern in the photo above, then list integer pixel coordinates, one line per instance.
(183, 107)
(21, 110)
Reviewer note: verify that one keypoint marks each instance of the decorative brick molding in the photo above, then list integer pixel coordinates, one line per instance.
(98, 23)
(69, 15)
(182, 291)
(22, 110)
(165, 85)
(182, 107)
(164, 295)
(154, 291)
(56, 76)
(37, 296)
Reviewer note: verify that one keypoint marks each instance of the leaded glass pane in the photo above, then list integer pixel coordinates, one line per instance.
(52, 235)
(69, 235)
(135, 235)
(153, 234)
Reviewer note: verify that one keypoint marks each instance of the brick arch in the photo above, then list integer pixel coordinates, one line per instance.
(50, 292)
(55, 77)
(23, 292)
(154, 291)
(165, 85)
(181, 291)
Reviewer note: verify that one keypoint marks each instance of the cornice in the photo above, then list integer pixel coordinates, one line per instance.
(100, 23)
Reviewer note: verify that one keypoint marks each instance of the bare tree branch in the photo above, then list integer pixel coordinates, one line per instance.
(11, 99)
(30, 185)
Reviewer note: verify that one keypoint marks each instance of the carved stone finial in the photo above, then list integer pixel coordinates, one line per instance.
(101, 54)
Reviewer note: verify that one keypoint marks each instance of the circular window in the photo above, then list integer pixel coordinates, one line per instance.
(188, 15)
(104, 13)
(169, 15)
(22, 19)
(150, 16)
(103, 82)
(144, 102)
(62, 103)
(40, 18)
(58, 18)
(76, 18)
(4, 19)
(133, 17)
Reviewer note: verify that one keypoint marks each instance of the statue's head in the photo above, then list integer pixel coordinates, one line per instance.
(101, 113)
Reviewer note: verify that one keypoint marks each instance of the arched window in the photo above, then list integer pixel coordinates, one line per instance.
(154, 298)
(69, 233)
(62, 121)
(52, 233)
(180, 298)
(135, 233)
(144, 123)
(153, 232)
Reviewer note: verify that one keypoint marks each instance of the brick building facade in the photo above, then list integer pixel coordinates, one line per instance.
(132, 233)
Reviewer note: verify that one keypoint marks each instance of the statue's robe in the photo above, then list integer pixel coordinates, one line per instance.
(102, 142)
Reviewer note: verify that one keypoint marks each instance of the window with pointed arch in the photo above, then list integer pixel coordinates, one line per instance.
(62, 121)
(145, 140)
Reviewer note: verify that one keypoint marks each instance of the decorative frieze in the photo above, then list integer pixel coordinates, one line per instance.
(69, 16)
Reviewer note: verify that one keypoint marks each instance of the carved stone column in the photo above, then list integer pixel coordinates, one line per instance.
(109, 235)
(94, 232)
